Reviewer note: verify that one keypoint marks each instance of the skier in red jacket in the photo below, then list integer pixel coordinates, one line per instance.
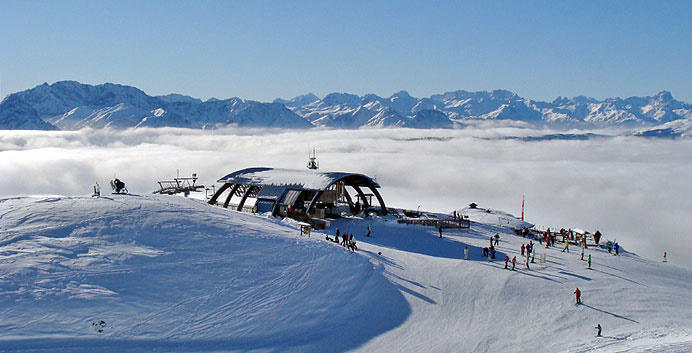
(578, 294)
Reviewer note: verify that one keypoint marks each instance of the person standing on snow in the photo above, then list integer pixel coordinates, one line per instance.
(617, 248)
(522, 249)
(466, 252)
(578, 294)
(589, 261)
(527, 262)
(582, 254)
(439, 229)
(367, 235)
(514, 262)
(598, 328)
(506, 261)
(497, 239)
(566, 246)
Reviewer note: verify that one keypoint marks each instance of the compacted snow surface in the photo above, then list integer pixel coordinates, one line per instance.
(162, 273)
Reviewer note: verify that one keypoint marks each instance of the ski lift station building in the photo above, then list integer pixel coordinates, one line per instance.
(299, 194)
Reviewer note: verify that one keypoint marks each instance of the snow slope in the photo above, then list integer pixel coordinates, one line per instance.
(172, 274)
(168, 273)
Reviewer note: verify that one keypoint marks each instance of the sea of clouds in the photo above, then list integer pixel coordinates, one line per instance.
(634, 190)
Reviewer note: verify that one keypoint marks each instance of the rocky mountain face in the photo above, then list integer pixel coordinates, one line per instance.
(71, 105)
(343, 110)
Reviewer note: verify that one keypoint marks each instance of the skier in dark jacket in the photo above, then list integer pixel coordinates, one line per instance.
(439, 229)
(617, 248)
(598, 328)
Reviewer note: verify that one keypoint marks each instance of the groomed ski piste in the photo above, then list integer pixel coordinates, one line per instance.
(166, 273)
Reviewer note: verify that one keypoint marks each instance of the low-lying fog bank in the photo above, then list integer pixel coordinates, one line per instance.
(633, 189)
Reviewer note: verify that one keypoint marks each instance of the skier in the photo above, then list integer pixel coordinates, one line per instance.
(578, 294)
(514, 262)
(367, 235)
(566, 246)
(466, 252)
(491, 241)
(610, 248)
(497, 239)
(344, 241)
(582, 254)
(506, 261)
(589, 260)
(522, 249)
(439, 229)
(598, 329)
(617, 248)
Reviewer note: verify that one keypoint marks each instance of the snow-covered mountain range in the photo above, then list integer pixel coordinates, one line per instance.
(69, 105)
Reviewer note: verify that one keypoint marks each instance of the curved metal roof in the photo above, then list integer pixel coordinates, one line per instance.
(304, 179)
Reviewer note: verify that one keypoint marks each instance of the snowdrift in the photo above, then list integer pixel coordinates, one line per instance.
(129, 272)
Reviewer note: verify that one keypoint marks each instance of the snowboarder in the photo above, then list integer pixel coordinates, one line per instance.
(497, 239)
(514, 262)
(589, 261)
(522, 249)
(578, 294)
(439, 229)
(368, 235)
(598, 330)
(506, 261)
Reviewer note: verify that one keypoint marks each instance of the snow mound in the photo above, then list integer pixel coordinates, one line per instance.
(494, 218)
(168, 273)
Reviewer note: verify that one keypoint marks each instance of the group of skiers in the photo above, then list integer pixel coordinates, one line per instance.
(613, 247)
(347, 240)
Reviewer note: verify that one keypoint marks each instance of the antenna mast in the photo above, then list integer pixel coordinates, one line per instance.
(312, 162)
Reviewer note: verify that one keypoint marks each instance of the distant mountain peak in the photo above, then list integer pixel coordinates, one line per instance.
(73, 105)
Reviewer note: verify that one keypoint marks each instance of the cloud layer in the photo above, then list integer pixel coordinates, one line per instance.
(634, 190)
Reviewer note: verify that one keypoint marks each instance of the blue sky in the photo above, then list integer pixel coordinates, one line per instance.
(267, 49)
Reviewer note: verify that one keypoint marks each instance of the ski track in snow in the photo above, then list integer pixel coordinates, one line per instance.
(174, 274)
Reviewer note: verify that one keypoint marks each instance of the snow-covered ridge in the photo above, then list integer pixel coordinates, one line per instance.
(117, 106)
